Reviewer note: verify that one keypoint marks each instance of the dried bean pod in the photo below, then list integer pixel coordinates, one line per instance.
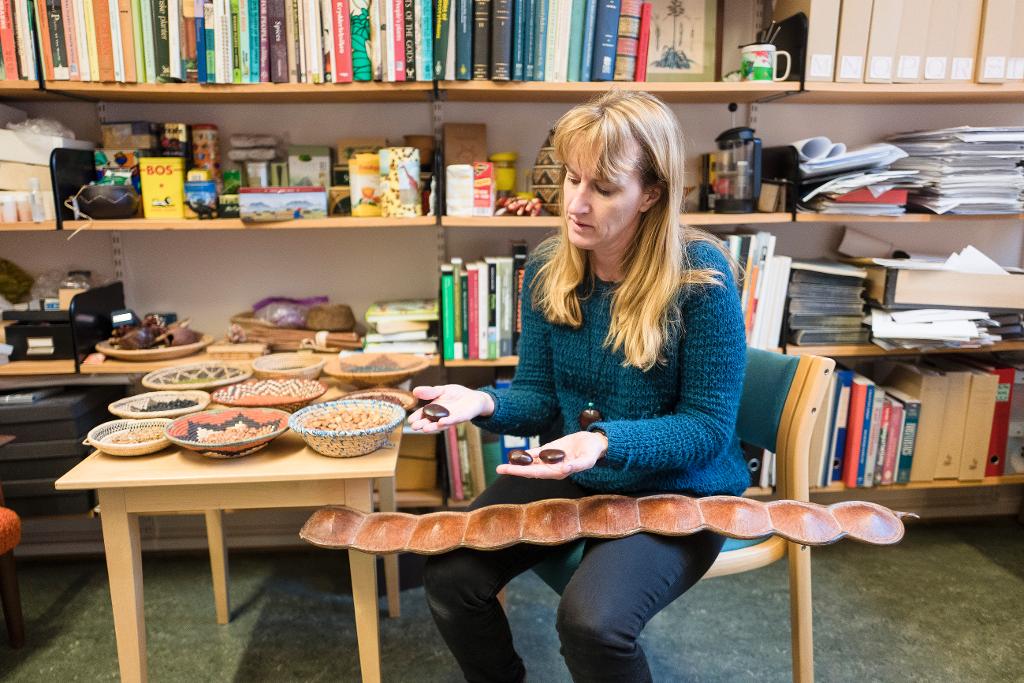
(561, 520)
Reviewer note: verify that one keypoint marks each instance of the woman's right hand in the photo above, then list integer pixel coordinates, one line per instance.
(463, 404)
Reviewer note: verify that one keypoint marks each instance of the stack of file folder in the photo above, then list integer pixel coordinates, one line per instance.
(966, 170)
(825, 304)
(834, 180)
(931, 328)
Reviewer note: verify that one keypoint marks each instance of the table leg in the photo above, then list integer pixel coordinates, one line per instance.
(359, 495)
(218, 564)
(124, 570)
(386, 488)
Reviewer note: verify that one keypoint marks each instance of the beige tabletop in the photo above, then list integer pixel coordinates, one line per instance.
(287, 458)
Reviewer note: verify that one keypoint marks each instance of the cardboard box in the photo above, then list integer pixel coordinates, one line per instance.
(28, 148)
(417, 463)
(260, 204)
(16, 176)
(464, 143)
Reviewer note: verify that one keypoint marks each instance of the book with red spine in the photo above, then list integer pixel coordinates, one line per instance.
(894, 440)
(642, 42)
(43, 26)
(342, 43)
(472, 289)
(71, 39)
(855, 428)
(397, 18)
(7, 44)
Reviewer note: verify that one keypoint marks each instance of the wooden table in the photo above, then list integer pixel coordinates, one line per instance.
(284, 474)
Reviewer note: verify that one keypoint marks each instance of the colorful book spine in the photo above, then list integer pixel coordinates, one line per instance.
(88, 13)
(25, 38)
(463, 40)
(200, 29)
(134, 38)
(162, 41)
(409, 38)
(626, 47)
(911, 419)
(441, 28)
(518, 39)
(996, 463)
(579, 10)
(643, 42)
(342, 43)
(236, 41)
(7, 42)
(472, 309)
(501, 40)
(253, 8)
(528, 40)
(464, 312)
(70, 39)
(551, 39)
(481, 40)
(359, 29)
(451, 438)
(894, 437)
(492, 307)
(540, 40)
(841, 414)
(211, 42)
(44, 39)
(174, 41)
(854, 429)
(606, 38)
(457, 341)
(863, 478)
(447, 311)
(425, 34)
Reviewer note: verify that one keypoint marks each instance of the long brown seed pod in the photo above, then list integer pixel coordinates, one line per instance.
(560, 520)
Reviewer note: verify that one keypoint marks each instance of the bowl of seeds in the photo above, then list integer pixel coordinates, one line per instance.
(366, 370)
(288, 366)
(129, 437)
(229, 433)
(160, 404)
(348, 427)
(404, 398)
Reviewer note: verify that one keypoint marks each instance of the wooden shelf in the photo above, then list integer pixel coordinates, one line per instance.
(1005, 480)
(533, 92)
(866, 350)
(503, 362)
(236, 224)
(906, 218)
(552, 222)
(910, 93)
(37, 367)
(28, 226)
(23, 90)
(262, 93)
(418, 499)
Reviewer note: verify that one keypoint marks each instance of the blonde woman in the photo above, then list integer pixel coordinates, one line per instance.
(632, 349)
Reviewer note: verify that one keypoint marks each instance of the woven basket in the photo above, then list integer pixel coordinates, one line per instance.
(205, 375)
(367, 370)
(404, 398)
(132, 407)
(348, 443)
(287, 339)
(284, 394)
(99, 437)
(288, 366)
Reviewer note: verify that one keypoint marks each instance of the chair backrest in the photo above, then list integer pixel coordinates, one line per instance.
(778, 408)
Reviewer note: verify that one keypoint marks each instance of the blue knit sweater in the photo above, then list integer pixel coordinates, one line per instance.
(671, 428)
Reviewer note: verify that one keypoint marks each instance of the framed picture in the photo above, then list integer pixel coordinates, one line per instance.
(683, 41)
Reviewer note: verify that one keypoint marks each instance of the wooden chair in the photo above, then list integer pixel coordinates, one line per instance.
(781, 400)
(10, 536)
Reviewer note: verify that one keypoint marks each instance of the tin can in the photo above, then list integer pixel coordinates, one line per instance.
(364, 177)
(174, 140)
(205, 153)
(400, 181)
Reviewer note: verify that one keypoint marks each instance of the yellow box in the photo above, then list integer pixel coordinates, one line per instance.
(163, 186)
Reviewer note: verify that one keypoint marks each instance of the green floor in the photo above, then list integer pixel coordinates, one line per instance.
(945, 605)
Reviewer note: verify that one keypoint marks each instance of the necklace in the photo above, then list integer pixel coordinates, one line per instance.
(590, 414)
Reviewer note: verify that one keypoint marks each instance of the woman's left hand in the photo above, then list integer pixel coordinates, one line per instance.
(582, 451)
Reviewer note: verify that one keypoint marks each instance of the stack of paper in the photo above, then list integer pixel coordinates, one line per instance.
(835, 180)
(930, 328)
(966, 170)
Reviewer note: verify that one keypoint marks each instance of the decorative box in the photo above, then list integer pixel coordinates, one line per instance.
(309, 165)
(261, 204)
(163, 186)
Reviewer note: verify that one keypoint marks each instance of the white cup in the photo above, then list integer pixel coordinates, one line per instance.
(760, 62)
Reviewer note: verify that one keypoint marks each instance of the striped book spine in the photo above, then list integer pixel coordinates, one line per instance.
(629, 33)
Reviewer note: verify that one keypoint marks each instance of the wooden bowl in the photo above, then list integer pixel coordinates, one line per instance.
(162, 353)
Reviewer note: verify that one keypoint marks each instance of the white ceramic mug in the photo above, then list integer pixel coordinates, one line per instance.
(760, 62)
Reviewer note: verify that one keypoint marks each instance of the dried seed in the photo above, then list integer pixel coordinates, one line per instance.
(520, 457)
(552, 455)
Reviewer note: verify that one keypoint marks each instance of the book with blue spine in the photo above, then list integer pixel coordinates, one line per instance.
(200, 23)
(426, 56)
(210, 43)
(529, 39)
(841, 412)
(589, 23)
(463, 40)
(254, 40)
(606, 40)
(579, 11)
(865, 437)
(540, 39)
(518, 39)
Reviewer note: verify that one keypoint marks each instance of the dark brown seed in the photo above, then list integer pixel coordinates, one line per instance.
(434, 411)
(552, 455)
(520, 457)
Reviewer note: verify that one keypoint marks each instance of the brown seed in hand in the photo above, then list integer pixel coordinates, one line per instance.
(434, 411)
(552, 455)
(520, 457)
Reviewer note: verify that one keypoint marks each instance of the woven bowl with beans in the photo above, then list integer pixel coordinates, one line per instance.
(347, 428)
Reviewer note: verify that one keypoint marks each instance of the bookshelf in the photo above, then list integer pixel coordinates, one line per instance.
(906, 218)
(236, 224)
(27, 226)
(551, 222)
(493, 91)
(871, 350)
(262, 93)
(911, 93)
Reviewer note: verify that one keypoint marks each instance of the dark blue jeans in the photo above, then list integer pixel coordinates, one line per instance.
(620, 584)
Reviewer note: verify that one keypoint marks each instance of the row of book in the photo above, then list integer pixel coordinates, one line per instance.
(763, 278)
(480, 311)
(911, 41)
(233, 41)
(402, 326)
(543, 40)
(326, 41)
(943, 418)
